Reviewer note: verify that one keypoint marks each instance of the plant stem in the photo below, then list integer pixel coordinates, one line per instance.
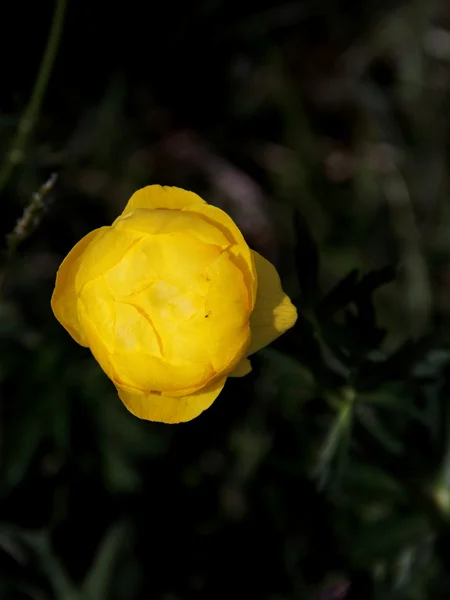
(28, 119)
(336, 434)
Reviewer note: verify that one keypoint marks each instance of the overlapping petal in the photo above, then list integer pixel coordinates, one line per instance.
(274, 312)
(64, 300)
(166, 409)
(162, 196)
(170, 300)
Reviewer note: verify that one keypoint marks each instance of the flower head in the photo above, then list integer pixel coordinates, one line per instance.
(171, 301)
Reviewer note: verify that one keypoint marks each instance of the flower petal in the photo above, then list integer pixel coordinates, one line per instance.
(162, 196)
(242, 369)
(274, 313)
(242, 254)
(163, 221)
(64, 300)
(106, 252)
(173, 198)
(129, 348)
(226, 331)
(165, 409)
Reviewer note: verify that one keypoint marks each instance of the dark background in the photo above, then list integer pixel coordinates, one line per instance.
(323, 129)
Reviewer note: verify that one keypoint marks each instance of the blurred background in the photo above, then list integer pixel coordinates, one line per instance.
(323, 128)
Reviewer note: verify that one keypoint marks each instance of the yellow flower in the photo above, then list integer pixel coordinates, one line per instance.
(171, 301)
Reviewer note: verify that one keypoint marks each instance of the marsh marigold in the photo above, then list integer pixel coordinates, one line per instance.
(171, 301)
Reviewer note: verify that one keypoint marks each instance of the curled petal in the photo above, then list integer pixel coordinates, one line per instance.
(64, 300)
(162, 196)
(243, 368)
(173, 198)
(106, 252)
(170, 222)
(239, 249)
(166, 409)
(226, 331)
(274, 313)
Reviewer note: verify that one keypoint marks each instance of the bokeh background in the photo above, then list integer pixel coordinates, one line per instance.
(323, 128)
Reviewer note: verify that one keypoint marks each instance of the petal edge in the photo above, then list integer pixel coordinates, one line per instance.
(64, 301)
(243, 368)
(162, 196)
(167, 409)
(274, 312)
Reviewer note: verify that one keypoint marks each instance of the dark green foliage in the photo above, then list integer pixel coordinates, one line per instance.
(325, 473)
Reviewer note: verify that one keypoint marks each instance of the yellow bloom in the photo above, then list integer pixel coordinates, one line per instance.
(171, 301)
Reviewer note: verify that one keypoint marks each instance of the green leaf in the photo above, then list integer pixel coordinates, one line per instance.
(97, 584)
(368, 483)
(368, 417)
(340, 295)
(349, 290)
(374, 280)
(372, 374)
(333, 451)
(39, 543)
(394, 401)
(310, 350)
(287, 366)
